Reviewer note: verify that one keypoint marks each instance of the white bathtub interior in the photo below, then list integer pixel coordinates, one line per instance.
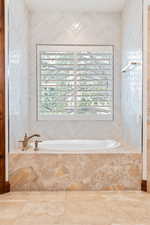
(78, 145)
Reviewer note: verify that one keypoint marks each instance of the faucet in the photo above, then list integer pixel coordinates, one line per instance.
(36, 147)
(27, 139)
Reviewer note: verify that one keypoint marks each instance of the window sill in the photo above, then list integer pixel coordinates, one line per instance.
(74, 117)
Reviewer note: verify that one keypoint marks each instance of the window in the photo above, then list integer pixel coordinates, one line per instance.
(75, 82)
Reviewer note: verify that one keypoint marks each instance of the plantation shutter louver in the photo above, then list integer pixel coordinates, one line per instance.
(75, 81)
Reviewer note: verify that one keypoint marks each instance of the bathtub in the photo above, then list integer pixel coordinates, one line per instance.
(77, 146)
(76, 165)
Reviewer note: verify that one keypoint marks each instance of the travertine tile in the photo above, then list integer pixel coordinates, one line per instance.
(75, 172)
(88, 212)
(48, 196)
(51, 208)
(41, 212)
(7, 222)
(81, 195)
(110, 212)
(85, 195)
(38, 220)
(110, 208)
(10, 210)
(14, 196)
(35, 196)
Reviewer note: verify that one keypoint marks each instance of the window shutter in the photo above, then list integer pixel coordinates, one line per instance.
(76, 83)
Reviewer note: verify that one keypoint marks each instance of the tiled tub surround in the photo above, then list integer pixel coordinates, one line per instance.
(53, 172)
(18, 71)
(74, 28)
(131, 81)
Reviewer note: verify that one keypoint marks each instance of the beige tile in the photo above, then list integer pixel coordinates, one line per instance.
(129, 208)
(35, 196)
(10, 210)
(99, 223)
(87, 212)
(14, 196)
(38, 220)
(78, 208)
(47, 196)
(90, 195)
(105, 195)
(111, 196)
(40, 213)
(135, 211)
(75, 172)
(50, 208)
(7, 222)
(135, 196)
(83, 195)
(118, 208)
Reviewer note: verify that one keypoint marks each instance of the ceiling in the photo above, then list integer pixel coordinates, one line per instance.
(75, 5)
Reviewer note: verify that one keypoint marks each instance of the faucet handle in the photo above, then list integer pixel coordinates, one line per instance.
(38, 141)
(36, 147)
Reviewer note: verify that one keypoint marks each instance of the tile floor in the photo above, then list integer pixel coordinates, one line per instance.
(75, 208)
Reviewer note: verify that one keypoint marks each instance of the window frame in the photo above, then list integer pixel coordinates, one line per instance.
(39, 117)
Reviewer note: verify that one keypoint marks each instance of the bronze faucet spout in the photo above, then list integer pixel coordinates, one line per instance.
(34, 135)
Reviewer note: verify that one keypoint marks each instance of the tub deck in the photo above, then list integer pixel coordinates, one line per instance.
(55, 172)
